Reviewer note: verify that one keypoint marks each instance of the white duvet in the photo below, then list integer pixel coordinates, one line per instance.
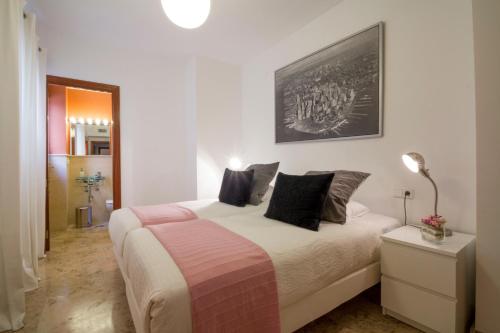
(305, 262)
(122, 221)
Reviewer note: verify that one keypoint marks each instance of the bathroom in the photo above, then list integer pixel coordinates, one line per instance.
(80, 160)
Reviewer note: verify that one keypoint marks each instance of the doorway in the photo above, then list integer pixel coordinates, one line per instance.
(81, 138)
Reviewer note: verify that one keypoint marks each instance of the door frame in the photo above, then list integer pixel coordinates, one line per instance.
(115, 138)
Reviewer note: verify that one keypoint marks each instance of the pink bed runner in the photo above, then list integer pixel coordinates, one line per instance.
(158, 214)
(231, 280)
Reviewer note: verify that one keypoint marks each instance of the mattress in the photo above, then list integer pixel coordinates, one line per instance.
(123, 220)
(304, 261)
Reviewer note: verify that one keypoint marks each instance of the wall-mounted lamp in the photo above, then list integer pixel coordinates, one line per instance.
(105, 122)
(235, 163)
(81, 120)
(72, 120)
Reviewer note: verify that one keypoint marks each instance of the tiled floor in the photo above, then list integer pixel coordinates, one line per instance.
(82, 291)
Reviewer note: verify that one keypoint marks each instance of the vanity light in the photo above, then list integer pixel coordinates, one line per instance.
(105, 122)
(98, 121)
(81, 120)
(90, 121)
(188, 14)
(72, 120)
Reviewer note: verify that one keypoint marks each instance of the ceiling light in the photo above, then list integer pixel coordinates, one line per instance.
(188, 14)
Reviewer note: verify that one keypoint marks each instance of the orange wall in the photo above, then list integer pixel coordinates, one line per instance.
(57, 119)
(88, 104)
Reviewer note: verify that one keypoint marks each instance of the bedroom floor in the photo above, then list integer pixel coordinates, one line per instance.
(81, 290)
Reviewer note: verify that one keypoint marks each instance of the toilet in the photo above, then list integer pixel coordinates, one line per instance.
(109, 205)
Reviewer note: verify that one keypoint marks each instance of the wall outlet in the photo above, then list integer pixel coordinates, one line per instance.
(400, 193)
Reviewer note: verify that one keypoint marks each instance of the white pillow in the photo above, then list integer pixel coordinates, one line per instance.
(355, 209)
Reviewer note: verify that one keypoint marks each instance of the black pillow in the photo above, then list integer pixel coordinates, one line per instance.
(299, 200)
(236, 187)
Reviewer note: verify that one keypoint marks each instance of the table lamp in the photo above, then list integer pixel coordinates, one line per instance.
(434, 224)
(416, 163)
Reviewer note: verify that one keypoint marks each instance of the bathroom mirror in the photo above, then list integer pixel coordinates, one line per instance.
(89, 139)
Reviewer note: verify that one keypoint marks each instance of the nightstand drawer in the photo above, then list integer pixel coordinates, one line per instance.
(419, 267)
(431, 310)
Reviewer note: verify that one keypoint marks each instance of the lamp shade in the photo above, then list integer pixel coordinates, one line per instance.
(414, 161)
(188, 14)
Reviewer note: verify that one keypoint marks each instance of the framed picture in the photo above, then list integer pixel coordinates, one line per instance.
(334, 93)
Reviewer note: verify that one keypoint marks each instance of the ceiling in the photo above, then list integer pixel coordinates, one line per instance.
(235, 31)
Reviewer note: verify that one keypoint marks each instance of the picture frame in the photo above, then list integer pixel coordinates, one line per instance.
(335, 93)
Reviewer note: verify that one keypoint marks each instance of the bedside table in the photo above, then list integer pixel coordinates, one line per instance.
(426, 285)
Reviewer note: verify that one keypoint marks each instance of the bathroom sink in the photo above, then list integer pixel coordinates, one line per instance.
(90, 183)
(95, 179)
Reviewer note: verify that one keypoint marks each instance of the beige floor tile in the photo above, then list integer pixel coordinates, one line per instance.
(82, 291)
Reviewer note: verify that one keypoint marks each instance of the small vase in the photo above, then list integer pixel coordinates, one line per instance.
(433, 234)
(433, 228)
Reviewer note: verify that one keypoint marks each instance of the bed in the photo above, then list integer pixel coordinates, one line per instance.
(123, 221)
(315, 271)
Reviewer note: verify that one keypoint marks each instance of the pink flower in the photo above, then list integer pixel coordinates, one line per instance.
(435, 221)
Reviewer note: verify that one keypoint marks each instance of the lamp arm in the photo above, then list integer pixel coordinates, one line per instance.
(428, 176)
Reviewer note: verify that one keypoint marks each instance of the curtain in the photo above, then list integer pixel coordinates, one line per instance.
(22, 147)
(41, 161)
(11, 269)
(30, 146)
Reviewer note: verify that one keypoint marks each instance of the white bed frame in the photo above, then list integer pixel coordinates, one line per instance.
(325, 300)
(298, 314)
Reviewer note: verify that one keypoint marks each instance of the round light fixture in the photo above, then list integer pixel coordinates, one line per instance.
(235, 163)
(188, 14)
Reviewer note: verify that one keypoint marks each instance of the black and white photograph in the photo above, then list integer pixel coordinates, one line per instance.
(334, 93)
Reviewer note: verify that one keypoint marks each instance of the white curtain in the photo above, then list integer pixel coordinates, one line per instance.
(41, 161)
(32, 148)
(22, 168)
(11, 269)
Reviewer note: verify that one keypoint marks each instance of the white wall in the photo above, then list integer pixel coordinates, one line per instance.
(487, 55)
(158, 153)
(429, 105)
(218, 118)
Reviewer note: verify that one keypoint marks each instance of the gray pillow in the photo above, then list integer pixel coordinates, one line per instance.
(263, 174)
(343, 186)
